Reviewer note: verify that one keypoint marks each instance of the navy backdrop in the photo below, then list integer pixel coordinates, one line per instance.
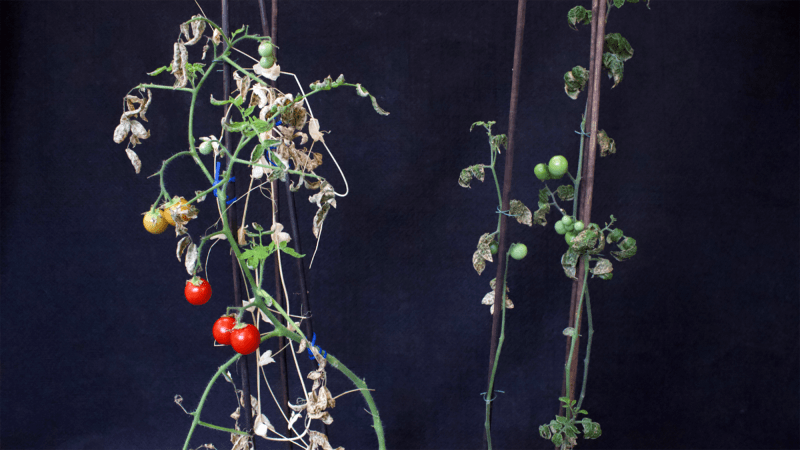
(696, 342)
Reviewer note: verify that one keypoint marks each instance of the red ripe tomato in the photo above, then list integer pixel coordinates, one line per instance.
(222, 329)
(245, 340)
(197, 294)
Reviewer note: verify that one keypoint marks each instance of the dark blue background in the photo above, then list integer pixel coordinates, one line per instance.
(696, 342)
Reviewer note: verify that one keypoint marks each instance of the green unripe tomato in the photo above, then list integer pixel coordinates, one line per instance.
(567, 220)
(541, 172)
(557, 166)
(568, 237)
(205, 148)
(560, 227)
(267, 62)
(518, 251)
(570, 227)
(493, 247)
(265, 49)
(578, 226)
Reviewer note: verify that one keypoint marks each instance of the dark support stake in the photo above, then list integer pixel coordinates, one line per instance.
(244, 361)
(587, 174)
(509, 165)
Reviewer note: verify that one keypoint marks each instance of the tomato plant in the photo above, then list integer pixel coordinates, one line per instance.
(199, 293)
(245, 339)
(222, 329)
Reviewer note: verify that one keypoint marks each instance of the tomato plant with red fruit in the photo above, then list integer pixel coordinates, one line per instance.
(222, 329)
(199, 293)
(245, 340)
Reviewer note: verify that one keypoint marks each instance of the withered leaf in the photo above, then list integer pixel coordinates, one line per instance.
(122, 130)
(191, 258)
(324, 199)
(137, 165)
(313, 130)
(182, 245)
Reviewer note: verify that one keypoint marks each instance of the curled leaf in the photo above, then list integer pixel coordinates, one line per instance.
(602, 269)
(575, 81)
(324, 199)
(607, 145)
(198, 26)
(377, 108)
(271, 73)
(138, 130)
(313, 130)
(183, 243)
(566, 192)
(191, 258)
(122, 130)
(137, 165)
(361, 91)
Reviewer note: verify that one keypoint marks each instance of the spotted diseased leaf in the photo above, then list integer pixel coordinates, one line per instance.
(607, 145)
(614, 236)
(566, 192)
(589, 241)
(466, 175)
(540, 216)
(618, 45)
(569, 261)
(557, 439)
(137, 165)
(575, 81)
(602, 269)
(591, 430)
(578, 15)
(488, 299)
(627, 248)
(520, 212)
(545, 432)
(484, 251)
(324, 199)
(615, 67)
(478, 262)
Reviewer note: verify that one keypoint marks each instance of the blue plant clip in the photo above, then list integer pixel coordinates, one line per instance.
(310, 354)
(216, 182)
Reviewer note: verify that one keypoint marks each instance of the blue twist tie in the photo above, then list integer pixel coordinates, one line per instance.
(310, 353)
(585, 134)
(507, 214)
(279, 122)
(483, 394)
(216, 182)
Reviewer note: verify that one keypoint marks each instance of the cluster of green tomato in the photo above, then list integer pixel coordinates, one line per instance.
(554, 170)
(266, 50)
(569, 227)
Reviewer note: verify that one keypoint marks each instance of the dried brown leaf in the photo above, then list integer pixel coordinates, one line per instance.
(313, 130)
(137, 165)
(122, 130)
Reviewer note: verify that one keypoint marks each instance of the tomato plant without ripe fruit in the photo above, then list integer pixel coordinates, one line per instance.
(222, 329)
(245, 340)
(154, 223)
(197, 294)
(493, 247)
(560, 227)
(578, 226)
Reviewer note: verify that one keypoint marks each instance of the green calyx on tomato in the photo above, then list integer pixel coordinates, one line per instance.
(557, 166)
(518, 251)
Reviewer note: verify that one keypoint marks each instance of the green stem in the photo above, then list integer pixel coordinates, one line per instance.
(160, 86)
(577, 178)
(574, 336)
(196, 413)
(487, 423)
(499, 195)
(588, 350)
(217, 427)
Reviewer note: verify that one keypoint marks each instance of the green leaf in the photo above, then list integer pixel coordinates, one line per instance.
(575, 80)
(614, 236)
(602, 269)
(570, 431)
(236, 127)
(619, 3)
(544, 431)
(566, 192)
(289, 251)
(561, 419)
(377, 108)
(585, 240)
(557, 439)
(618, 45)
(568, 262)
(216, 102)
(257, 254)
(160, 70)
(607, 145)
(544, 196)
(487, 125)
(627, 249)
(520, 212)
(578, 15)
(583, 411)
(615, 67)
(248, 111)
(497, 141)
(257, 152)
(591, 430)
